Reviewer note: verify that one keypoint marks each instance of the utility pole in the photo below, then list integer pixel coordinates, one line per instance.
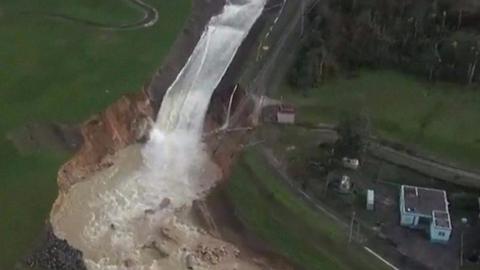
(351, 227)
(326, 186)
(358, 232)
(302, 26)
(259, 49)
(461, 249)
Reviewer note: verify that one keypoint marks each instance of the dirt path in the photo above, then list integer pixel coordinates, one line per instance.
(150, 17)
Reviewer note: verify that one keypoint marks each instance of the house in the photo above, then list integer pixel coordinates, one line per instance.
(279, 113)
(286, 114)
(370, 200)
(426, 208)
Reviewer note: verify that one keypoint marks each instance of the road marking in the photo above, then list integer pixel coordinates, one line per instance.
(276, 19)
(270, 30)
(381, 258)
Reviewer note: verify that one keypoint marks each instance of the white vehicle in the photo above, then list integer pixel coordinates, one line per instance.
(350, 163)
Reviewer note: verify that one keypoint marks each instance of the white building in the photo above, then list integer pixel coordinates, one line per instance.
(426, 208)
(286, 114)
(370, 200)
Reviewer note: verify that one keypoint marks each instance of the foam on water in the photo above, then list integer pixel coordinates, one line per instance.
(106, 217)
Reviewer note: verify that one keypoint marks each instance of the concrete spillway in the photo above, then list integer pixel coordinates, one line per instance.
(186, 101)
(114, 217)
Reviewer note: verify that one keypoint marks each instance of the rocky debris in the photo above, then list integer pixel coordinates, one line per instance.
(55, 254)
(169, 235)
(214, 255)
(157, 247)
(149, 212)
(125, 122)
(225, 146)
(163, 204)
(191, 262)
(142, 127)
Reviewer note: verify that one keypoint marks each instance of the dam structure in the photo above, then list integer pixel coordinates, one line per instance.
(115, 217)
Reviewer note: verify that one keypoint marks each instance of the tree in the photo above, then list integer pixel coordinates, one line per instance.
(354, 132)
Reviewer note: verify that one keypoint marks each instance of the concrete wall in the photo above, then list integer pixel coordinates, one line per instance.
(286, 118)
(407, 220)
(440, 235)
(434, 169)
(424, 166)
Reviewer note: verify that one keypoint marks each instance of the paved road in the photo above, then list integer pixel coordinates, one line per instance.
(258, 86)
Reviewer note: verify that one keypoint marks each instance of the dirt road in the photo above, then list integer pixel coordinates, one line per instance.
(150, 17)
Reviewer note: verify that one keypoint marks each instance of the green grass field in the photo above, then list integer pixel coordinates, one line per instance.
(103, 11)
(51, 70)
(271, 210)
(441, 119)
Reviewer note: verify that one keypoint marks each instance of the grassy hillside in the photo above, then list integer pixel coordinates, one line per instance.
(441, 119)
(270, 210)
(53, 70)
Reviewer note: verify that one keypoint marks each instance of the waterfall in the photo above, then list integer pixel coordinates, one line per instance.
(111, 217)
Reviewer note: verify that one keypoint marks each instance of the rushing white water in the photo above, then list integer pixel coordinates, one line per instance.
(111, 217)
(186, 101)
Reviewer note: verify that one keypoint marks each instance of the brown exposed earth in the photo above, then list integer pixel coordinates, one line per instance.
(125, 122)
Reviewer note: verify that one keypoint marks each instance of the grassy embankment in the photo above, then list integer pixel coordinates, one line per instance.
(54, 70)
(441, 119)
(270, 209)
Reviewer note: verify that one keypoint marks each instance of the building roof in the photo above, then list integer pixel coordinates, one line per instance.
(286, 108)
(370, 196)
(424, 201)
(441, 219)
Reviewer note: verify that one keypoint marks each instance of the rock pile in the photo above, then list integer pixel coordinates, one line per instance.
(213, 255)
(55, 254)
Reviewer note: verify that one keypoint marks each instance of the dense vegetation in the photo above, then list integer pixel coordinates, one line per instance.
(60, 71)
(438, 39)
(267, 206)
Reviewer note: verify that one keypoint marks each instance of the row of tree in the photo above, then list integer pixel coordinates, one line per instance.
(437, 39)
